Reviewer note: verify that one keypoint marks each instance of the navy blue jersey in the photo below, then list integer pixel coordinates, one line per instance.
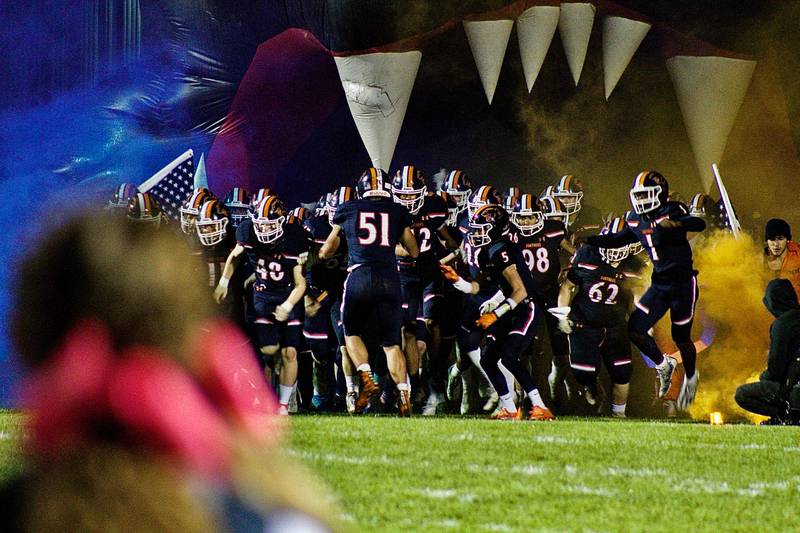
(425, 226)
(668, 248)
(541, 252)
(603, 296)
(372, 228)
(216, 256)
(273, 263)
(494, 258)
(329, 274)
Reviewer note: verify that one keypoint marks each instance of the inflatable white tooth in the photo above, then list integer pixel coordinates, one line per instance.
(621, 39)
(488, 40)
(378, 88)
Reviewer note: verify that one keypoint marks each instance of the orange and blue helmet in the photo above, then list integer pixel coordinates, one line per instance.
(191, 208)
(238, 203)
(122, 194)
(614, 255)
(212, 222)
(337, 198)
(526, 215)
(409, 189)
(268, 217)
(458, 185)
(483, 195)
(649, 191)
(569, 191)
(373, 183)
(143, 207)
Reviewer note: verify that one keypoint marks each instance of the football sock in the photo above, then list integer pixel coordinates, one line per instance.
(364, 368)
(351, 387)
(285, 394)
(403, 386)
(507, 402)
(509, 379)
(618, 409)
(536, 398)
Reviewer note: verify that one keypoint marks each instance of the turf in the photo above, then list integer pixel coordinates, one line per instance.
(569, 475)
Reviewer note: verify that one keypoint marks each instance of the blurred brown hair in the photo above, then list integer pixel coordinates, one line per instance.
(142, 283)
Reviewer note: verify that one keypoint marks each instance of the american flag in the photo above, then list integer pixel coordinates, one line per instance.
(172, 185)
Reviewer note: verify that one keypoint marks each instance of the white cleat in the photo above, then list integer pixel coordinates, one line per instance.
(590, 395)
(664, 374)
(453, 373)
(688, 390)
(491, 402)
(432, 405)
(283, 410)
(350, 402)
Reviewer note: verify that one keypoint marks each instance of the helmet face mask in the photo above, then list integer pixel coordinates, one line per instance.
(143, 209)
(570, 200)
(526, 215)
(635, 248)
(615, 255)
(268, 219)
(488, 224)
(237, 215)
(645, 199)
(191, 208)
(459, 187)
(552, 209)
(238, 203)
(211, 232)
(188, 220)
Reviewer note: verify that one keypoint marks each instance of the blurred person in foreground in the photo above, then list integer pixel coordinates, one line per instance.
(781, 253)
(777, 394)
(145, 412)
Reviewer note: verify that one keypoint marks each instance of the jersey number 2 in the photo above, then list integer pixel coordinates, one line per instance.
(367, 222)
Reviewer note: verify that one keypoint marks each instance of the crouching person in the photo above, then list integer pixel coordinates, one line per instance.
(771, 395)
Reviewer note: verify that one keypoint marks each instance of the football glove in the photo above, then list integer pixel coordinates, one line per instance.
(565, 325)
(449, 273)
(491, 304)
(485, 321)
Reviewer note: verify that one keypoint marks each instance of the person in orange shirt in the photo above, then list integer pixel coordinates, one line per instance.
(781, 253)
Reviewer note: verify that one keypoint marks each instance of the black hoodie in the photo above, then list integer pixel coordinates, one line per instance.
(781, 300)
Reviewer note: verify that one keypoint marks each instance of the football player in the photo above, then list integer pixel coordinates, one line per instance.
(428, 219)
(597, 290)
(322, 327)
(373, 226)
(569, 191)
(273, 248)
(510, 319)
(540, 240)
(238, 203)
(143, 208)
(122, 194)
(660, 226)
(191, 208)
(459, 187)
(218, 238)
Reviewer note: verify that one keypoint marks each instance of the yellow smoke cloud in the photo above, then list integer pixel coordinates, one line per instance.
(732, 282)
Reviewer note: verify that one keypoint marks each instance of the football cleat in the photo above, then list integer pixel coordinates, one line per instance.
(434, 404)
(453, 373)
(590, 395)
(504, 414)
(283, 410)
(491, 401)
(688, 391)
(369, 389)
(540, 413)
(665, 375)
(350, 403)
(404, 403)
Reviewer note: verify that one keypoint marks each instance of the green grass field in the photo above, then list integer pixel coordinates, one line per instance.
(573, 474)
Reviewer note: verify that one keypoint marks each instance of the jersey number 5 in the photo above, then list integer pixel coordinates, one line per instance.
(367, 222)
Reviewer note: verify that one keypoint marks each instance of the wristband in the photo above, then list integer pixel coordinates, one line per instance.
(223, 282)
(507, 305)
(286, 306)
(463, 286)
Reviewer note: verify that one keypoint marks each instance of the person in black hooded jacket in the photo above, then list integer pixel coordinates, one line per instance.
(770, 396)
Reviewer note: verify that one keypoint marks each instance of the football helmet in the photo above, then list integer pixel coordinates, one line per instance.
(483, 195)
(373, 183)
(337, 198)
(298, 215)
(191, 208)
(212, 222)
(458, 185)
(526, 215)
(122, 195)
(322, 205)
(650, 191)
(614, 255)
(510, 198)
(553, 209)
(489, 223)
(570, 192)
(268, 219)
(238, 203)
(144, 208)
(260, 194)
(409, 189)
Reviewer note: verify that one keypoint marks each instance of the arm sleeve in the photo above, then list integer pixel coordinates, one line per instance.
(691, 223)
(341, 215)
(626, 236)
